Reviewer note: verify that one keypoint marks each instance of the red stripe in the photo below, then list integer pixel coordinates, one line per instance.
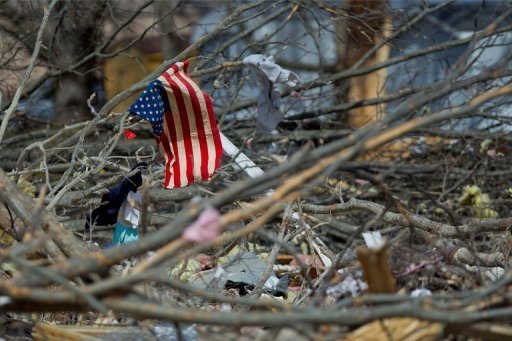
(169, 121)
(185, 66)
(203, 143)
(215, 130)
(169, 157)
(184, 124)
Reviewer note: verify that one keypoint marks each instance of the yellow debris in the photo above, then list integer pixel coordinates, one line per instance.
(480, 202)
(484, 146)
(25, 186)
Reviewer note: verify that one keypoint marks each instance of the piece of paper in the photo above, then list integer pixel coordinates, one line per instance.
(373, 239)
(132, 215)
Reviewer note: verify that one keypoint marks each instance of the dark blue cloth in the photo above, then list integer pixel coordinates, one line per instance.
(106, 213)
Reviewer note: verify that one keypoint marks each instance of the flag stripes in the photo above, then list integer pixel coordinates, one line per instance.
(190, 140)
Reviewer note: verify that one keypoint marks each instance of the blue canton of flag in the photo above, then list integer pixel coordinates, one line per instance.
(150, 106)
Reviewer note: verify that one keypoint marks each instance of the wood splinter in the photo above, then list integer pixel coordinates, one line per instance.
(377, 272)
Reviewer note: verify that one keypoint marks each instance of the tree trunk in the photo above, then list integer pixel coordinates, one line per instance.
(366, 25)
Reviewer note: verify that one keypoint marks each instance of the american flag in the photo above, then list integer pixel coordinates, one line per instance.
(184, 126)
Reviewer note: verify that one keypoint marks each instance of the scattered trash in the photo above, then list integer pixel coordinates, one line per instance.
(362, 182)
(241, 160)
(8, 268)
(269, 99)
(242, 272)
(5, 238)
(484, 146)
(480, 202)
(419, 147)
(314, 243)
(130, 135)
(186, 269)
(120, 206)
(127, 224)
(492, 153)
(25, 186)
(205, 261)
(352, 284)
(206, 228)
(420, 293)
(164, 330)
(373, 239)
(5, 300)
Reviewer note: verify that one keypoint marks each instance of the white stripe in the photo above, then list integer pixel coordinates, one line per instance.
(171, 163)
(206, 123)
(196, 148)
(179, 132)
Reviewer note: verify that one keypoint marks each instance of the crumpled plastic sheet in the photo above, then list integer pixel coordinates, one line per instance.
(269, 99)
(242, 272)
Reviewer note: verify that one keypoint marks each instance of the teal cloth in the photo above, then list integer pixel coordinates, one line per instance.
(124, 234)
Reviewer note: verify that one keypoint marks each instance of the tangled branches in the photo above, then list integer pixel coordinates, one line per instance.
(323, 184)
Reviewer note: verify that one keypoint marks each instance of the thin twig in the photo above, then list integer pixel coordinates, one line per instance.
(28, 72)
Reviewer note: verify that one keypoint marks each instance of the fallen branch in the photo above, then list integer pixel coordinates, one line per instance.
(413, 220)
(24, 207)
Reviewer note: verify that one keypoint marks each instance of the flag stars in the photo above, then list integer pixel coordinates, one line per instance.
(150, 106)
